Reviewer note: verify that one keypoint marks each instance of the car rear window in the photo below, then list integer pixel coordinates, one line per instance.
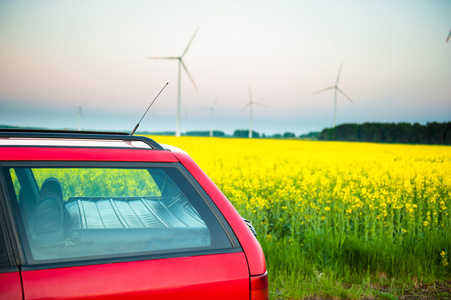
(72, 213)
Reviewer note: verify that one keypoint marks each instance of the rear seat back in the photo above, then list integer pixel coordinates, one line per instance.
(131, 212)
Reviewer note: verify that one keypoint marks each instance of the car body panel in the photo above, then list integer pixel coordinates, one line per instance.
(83, 154)
(198, 277)
(10, 286)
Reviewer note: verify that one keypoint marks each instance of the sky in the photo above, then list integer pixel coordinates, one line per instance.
(59, 58)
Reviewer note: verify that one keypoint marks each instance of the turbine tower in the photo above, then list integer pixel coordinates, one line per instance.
(187, 113)
(80, 113)
(181, 64)
(212, 112)
(250, 104)
(336, 88)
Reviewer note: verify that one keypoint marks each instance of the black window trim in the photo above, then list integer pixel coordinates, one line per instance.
(114, 258)
(82, 261)
(8, 233)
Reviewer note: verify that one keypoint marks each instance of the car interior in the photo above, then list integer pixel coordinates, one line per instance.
(59, 226)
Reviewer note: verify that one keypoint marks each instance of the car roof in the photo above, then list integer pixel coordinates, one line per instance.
(84, 139)
(53, 145)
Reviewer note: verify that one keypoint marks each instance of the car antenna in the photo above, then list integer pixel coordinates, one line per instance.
(137, 125)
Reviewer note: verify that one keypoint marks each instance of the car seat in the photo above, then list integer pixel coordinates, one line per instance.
(48, 221)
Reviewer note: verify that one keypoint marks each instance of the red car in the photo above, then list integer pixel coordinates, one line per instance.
(88, 215)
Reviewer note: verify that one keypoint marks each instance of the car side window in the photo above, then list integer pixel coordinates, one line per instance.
(102, 212)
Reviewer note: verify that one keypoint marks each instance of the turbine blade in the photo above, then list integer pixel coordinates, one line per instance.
(344, 94)
(250, 94)
(249, 103)
(189, 75)
(323, 90)
(214, 104)
(167, 57)
(189, 44)
(339, 72)
(449, 35)
(259, 104)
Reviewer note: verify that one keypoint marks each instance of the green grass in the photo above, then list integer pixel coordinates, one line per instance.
(324, 267)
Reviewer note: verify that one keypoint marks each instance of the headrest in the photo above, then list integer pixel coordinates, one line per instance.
(48, 218)
(52, 185)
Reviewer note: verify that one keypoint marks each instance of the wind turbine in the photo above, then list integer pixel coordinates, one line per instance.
(212, 112)
(181, 64)
(250, 104)
(336, 88)
(187, 113)
(80, 113)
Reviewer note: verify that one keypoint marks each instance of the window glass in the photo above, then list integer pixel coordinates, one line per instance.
(108, 212)
(15, 183)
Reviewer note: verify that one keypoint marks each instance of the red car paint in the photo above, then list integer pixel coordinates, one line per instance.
(197, 277)
(10, 285)
(80, 154)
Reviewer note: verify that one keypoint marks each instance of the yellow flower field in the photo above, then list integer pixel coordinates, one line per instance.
(328, 215)
(331, 215)
(289, 187)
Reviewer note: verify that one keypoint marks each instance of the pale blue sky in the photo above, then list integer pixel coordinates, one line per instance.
(56, 55)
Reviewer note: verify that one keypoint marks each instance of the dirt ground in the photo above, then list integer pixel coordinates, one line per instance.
(435, 291)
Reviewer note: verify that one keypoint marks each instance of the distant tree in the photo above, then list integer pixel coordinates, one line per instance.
(216, 133)
(447, 134)
(197, 133)
(325, 135)
(432, 133)
(310, 135)
(420, 131)
(255, 134)
(370, 132)
(243, 133)
(289, 135)
(347, 132)
(436, 132)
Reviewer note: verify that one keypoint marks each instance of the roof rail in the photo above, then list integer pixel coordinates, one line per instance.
(68, 134)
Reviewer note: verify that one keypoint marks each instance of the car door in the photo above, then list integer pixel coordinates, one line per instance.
(220, 276)
(103, 231)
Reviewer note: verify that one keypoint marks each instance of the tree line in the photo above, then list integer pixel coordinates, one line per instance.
(404, 133)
